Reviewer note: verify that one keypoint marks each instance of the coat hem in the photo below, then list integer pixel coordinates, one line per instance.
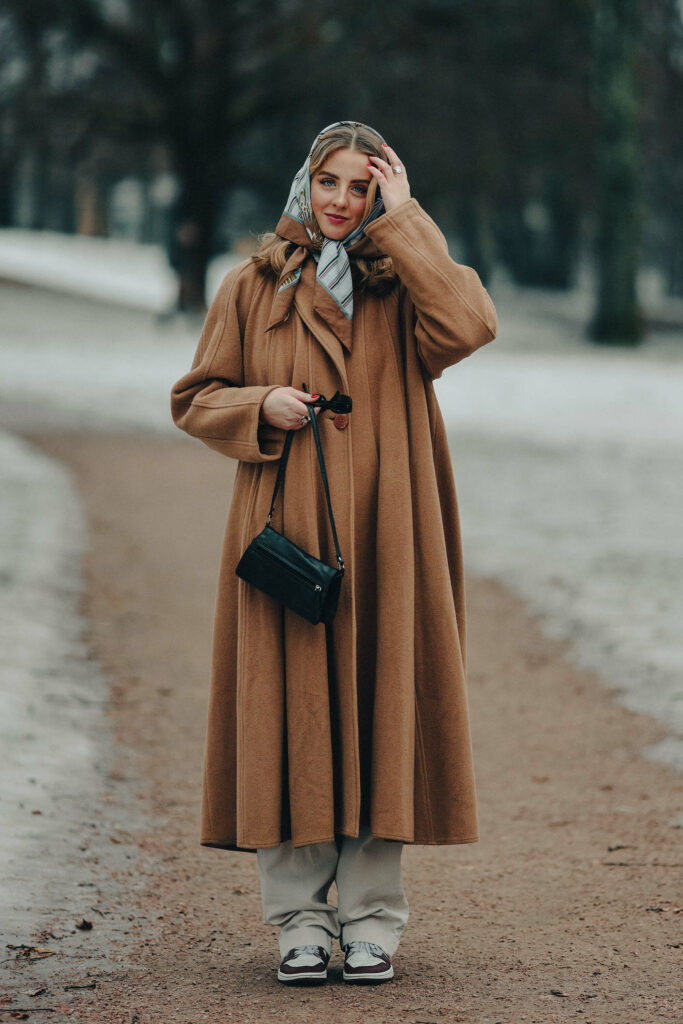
(232, 845)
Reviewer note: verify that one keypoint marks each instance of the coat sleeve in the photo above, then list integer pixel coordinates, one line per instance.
(453, 312)
(211, 402)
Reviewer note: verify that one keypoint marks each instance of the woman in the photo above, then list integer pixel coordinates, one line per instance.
(331, 746)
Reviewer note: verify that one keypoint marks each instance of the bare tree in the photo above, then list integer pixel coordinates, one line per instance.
(617, 31)
(190, 75)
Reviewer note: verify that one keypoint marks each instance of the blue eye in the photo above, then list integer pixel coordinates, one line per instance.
(331, 183)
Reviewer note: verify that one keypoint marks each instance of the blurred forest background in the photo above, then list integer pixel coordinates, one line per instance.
(537, 134)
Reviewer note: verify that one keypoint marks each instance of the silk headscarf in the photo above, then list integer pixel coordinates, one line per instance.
(333, 279)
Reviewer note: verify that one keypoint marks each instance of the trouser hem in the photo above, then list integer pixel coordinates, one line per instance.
(368, 931)
(306, 936)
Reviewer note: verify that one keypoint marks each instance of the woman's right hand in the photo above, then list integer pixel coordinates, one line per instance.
(284, 407)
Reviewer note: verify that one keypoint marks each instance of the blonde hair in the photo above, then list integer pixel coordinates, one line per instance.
(376, 274)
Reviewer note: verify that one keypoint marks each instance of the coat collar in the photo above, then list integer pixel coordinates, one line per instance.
(300, 270)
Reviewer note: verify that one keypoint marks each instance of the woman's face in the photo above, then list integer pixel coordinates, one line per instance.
(338, 192)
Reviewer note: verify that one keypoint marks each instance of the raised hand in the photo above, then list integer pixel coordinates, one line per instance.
(390, 175)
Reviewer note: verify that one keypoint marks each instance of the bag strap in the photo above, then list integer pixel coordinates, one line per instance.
(338, 403)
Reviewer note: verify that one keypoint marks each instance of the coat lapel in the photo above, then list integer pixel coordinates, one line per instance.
(286, 287)
(298, 283)
(305, 295)
(297, 286)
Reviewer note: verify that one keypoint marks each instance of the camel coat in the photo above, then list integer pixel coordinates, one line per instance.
(314, 730)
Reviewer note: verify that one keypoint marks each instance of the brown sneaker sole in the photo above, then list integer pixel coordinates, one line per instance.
(303, 978)
(366, 976)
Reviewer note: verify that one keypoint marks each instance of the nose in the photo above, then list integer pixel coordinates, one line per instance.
(341, 196)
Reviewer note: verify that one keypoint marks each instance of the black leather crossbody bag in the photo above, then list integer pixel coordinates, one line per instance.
(281, 569)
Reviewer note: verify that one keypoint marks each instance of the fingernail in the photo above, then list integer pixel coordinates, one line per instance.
(384, 144)
(313, 397)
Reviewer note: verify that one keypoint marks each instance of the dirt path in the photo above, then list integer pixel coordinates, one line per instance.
(568, 909)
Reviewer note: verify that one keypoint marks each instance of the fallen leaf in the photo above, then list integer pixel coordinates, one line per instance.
(36, 992)
(83, 925)
(558, 992)
(32, 952)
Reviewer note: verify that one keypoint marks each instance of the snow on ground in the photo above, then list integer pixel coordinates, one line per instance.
(113, 270)
(99, 366)
(53, 733)
(569, 468)
(588, 536)
(567, 459)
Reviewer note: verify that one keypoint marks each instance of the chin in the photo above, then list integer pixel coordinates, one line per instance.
(340, 232)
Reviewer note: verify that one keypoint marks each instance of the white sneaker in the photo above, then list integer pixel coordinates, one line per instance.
(304, 965)
(366, 961)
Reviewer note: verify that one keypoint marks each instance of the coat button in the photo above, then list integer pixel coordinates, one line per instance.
(341, 420)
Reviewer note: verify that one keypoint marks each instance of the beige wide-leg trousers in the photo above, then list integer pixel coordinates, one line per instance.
(295, 882)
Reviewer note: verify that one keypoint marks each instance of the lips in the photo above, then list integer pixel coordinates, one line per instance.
(335, 218)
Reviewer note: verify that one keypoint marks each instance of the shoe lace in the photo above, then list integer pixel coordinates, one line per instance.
(357, 946)
(303, 950)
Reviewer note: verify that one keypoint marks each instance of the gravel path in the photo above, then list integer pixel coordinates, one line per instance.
(566, 910)
(568, 464)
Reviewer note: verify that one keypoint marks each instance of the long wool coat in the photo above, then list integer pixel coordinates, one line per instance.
(314, 730)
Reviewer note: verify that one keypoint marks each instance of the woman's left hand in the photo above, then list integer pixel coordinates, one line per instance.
(391, 177)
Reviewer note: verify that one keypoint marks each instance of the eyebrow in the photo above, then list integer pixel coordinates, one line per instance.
(354, 181)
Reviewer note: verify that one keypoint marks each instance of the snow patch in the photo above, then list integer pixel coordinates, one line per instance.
(111, 269)
(51, 692)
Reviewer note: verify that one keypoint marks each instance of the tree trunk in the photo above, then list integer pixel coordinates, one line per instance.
(190, 261)
(563, 241)
(90, 202)
(6, 196)
(201, 176)
(616, 36)
(477, 235)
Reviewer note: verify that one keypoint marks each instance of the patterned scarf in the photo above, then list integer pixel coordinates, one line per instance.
(333, 273)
